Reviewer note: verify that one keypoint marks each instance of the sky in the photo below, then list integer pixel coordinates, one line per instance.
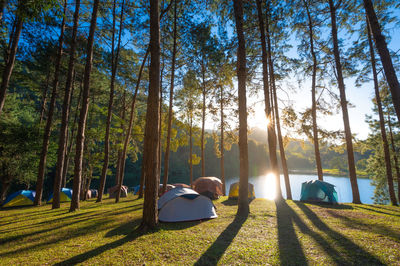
(360, 97)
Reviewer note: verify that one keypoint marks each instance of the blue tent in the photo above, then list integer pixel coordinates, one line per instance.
(318, 191)
(65, 195)
(20, 198)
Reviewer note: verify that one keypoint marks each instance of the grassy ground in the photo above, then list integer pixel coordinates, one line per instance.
(286, 234)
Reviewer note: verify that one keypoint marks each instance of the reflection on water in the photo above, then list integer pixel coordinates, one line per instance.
(264, 186)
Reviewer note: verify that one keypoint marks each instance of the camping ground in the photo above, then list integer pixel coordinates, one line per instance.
(290, 232)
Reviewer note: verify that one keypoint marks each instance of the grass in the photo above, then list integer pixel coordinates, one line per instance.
(288, 233)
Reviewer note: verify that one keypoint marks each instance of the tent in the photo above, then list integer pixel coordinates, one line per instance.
(318, 191)
(91, 193)
(112, 191)
(20, 198)
(184, 204)
(65, 195)
(234, 191)
(136, 190)
(208, 186)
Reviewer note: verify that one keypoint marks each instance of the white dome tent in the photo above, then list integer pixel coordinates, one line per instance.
(184, 204)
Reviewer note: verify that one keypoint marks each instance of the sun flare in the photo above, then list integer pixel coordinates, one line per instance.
(269, 188)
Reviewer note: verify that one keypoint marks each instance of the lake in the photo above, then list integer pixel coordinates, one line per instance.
(264, 186)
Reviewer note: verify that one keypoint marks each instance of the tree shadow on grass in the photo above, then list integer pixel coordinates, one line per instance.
(377, 210)
(214, 253)
(60, 223)
(290, 250)
(233, 202)
(328, 205)
(376, 228)
(354, 254)
(125, 229)
(180, 225)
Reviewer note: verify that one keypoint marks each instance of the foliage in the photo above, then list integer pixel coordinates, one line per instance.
(19, 142)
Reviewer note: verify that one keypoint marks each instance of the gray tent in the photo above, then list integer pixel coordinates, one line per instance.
(184, 204)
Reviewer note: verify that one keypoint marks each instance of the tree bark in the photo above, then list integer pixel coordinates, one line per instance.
(190, 152)
(114, 67)
(10, 60)
(80, 137)
(343, 103)
(62, 143)
(203, 118)
(44, 96)
(270, 113)
(313, 94)
(281, 148)
(49, 121)
(119, 161)
(171, 99)
(150, 215)
(384, 54)
(395, 158)
(160, 121)
(243, 202)
(71, 138)
(222, 141)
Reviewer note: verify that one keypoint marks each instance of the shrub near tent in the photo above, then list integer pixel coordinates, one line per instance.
(184, 204)
(20, 198)
(234, 191)
(65, 195)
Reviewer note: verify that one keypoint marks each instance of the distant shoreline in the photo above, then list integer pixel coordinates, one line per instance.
(330, 172)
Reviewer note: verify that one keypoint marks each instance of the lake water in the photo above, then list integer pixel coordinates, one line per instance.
(264, 186)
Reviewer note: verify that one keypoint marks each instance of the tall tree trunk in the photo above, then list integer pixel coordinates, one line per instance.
(129, 130)
(190, 152)
(222, 141)
(80, 137)
(114, 67)
(281, 148)
(270, 111)
(119, 161)
(150, 215)
(160, 121)
(396, 161)
(384, 54)
(313, 94)
(71, 138)
(10, 60)
(44, 96)
(49, 121)
(203, 118)
(171, 99)
(63, 135)
(243, 202)
(385, 144)
(343, 103)
(278, 126)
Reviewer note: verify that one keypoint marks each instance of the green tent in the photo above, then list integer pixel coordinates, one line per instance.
(318, 191)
